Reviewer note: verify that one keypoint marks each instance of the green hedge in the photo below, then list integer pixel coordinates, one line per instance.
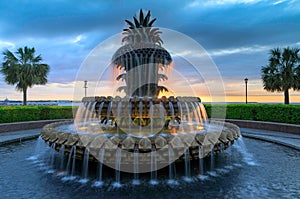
(32, 113)
(259, 112)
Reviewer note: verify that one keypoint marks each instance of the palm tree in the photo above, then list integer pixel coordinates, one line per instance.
(283, 71)
(24, 69)
(141, 57)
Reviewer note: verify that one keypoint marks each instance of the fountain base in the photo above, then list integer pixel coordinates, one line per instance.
(199, 144)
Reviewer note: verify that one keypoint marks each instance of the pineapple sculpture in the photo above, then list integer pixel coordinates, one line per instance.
(142, 59)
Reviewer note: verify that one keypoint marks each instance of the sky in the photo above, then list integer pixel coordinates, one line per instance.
(236, 34)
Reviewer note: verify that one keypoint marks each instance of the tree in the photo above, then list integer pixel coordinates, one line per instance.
(283, 71)
(24, 69)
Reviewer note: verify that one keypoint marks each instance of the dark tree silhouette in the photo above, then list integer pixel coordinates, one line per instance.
(24, 69)
(283, 71)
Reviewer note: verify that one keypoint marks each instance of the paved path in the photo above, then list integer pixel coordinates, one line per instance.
(290, 140)
(18, 136)
(287, 139)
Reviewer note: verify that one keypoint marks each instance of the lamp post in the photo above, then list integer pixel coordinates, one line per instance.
(85, 87)
(246, 82)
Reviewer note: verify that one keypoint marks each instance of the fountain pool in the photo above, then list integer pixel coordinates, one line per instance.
(266, 171)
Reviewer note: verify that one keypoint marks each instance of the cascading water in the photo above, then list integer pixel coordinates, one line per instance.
(201, 169)
(85, 166)
(247, 157)
(136, 166)
(118, 168)
(38, 151)
(187, 165)
(172, 110)
(212, 171)
(109, 122)
(70, 170)
(153, 180)
(151, 115)
(180, 109)
(203, 111)
(140, 116)
(74, 162)
(99, 180)
(212, 159)
(100, 110)
(62, 157)
(172, 169)
(197, 107)
(52, 159)
(88, 112)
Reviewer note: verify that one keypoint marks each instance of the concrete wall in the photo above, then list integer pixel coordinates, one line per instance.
(271, 126)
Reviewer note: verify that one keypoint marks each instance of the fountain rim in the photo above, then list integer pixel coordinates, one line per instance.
(229, 134)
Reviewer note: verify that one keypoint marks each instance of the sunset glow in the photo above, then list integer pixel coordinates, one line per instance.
(237, 36)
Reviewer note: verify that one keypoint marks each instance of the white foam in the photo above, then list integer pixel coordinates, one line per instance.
(98, 184)
(117, 185)
(187, 179)
(213, 173)
(136, 182)
(202, 177)
(68, 178)
(154, 182)
(83, 181)
(172, 182)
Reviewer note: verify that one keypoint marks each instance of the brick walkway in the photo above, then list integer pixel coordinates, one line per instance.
(287, 139)
(18, 136)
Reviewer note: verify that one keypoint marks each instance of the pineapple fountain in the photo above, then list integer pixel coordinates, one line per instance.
(140, 132)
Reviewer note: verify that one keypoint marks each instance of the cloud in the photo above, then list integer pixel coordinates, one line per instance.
(279, 2)
(6, 44)
(198, 3)
(246, 50)
(237, 33)
(78, 39)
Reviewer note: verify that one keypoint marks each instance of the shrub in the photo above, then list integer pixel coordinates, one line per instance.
(259, 112)
(32, 113)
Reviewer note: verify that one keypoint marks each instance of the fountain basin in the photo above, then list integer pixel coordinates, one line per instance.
(206, 140)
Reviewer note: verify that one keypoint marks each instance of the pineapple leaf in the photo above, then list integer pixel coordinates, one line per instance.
(146, 20)
(151, 22)
(141, 17)
(137, 24)
(131, 25)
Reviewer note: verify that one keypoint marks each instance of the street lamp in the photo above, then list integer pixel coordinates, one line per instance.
(85, 87)
(246, 82)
